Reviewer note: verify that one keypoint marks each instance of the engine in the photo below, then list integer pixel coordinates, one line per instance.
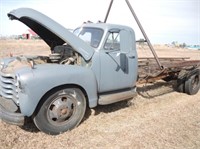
(63, 54)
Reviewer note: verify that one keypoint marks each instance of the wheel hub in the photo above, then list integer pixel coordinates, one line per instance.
(61, 109)
(64, 111)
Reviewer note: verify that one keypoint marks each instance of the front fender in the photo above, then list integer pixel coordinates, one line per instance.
(36, 82)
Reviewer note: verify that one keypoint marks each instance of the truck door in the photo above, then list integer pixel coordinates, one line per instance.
(118, 60)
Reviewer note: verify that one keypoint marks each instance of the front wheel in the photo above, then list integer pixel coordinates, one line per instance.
(60, 111)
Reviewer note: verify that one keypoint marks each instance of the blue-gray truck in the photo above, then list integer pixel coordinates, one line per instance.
(97, 64)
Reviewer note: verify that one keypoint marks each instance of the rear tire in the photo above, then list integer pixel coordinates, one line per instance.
(192, 84)
(60, 111)
(180, 87)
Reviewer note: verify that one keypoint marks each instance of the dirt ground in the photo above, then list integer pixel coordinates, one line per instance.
(158, 117)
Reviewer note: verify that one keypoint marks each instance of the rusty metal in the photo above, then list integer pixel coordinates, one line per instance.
(144, 34)
(151, 80)
(149, 72)
(108, 11)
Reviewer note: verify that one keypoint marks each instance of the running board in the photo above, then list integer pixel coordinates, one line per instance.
(112, 97)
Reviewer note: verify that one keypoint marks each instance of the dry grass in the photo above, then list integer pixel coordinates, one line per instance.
(157, 118)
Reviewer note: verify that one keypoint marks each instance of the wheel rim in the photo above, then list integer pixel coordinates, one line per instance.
(61, 109)
(195, 82)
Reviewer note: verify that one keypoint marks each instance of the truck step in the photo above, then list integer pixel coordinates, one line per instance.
(116, 96)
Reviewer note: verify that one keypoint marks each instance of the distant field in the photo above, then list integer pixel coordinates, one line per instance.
(19, 47)
(35, 47)
(158, 117)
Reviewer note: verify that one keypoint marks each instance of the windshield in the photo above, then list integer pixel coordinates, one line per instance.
(91, 36)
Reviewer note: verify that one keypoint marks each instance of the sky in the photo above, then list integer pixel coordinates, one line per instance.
(164, 21)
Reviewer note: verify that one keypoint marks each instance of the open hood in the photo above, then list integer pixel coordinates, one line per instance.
(50, 31)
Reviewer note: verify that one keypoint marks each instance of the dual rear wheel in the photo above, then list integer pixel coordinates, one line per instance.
(190, 85)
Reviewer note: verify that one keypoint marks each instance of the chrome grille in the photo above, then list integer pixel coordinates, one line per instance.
(8, 87)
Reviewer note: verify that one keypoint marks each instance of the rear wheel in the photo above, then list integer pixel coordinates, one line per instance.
(192, 84)
(60, 111)
(181, 86)
(181, 81)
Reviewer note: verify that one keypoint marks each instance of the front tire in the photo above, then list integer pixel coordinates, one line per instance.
(61, 110)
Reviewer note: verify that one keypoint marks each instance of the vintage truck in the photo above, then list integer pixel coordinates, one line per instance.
(97, 64)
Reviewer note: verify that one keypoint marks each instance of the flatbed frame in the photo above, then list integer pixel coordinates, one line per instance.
(148, 70)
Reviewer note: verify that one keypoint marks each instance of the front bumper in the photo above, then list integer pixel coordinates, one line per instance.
(8, 114)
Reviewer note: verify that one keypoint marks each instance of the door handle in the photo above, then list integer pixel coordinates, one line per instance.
(131, 56)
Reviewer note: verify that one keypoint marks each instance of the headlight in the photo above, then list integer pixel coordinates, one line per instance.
(1, 65)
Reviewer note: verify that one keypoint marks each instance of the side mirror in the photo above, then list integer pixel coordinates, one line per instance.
(124, 62)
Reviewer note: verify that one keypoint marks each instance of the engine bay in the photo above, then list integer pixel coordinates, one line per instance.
(63, 54)
(66, 55)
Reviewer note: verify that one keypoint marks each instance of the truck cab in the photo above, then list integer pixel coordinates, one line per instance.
(115, 59)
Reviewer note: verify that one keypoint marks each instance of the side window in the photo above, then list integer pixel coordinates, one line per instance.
(113, 41)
